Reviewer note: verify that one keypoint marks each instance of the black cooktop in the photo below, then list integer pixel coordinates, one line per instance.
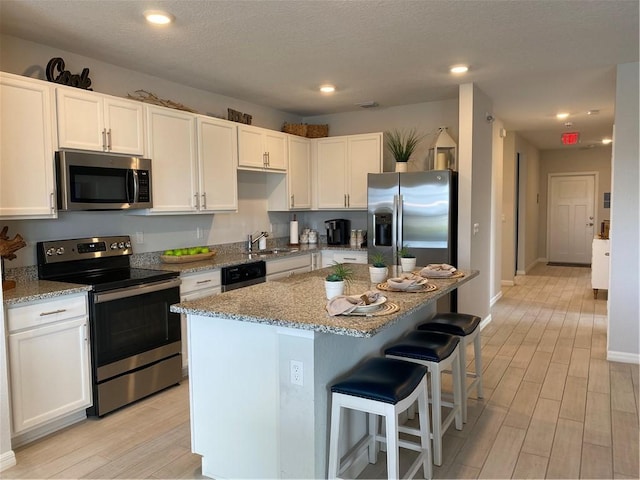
(114, 279)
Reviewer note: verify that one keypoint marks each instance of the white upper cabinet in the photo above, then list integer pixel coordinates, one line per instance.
(27, 148)
(342, 165)
(171, 145)
(292, 191)
(259, 148)
(217, 165)
(92, 121)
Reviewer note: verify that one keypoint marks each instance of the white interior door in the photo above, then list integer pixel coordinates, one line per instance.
(571, 218)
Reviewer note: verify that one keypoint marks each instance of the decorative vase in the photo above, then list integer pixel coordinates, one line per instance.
(378, 274)
(408, 264)
(401, 166)
(333, 289)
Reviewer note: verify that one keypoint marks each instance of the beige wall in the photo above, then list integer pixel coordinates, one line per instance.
(574, 160)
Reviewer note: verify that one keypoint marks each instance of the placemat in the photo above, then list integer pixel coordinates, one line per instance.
(427, 287)
(456, 274)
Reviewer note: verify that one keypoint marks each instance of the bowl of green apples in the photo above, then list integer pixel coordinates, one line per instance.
(186, 255)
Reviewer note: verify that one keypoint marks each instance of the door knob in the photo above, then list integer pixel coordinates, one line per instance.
(589, 224)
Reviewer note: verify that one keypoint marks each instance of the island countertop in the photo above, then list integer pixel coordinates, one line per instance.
(299, 302)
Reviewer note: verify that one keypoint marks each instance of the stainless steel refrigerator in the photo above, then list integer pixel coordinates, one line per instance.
(417, 210)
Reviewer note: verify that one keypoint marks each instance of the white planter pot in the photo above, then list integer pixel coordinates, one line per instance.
(378, 274)
(333, 289)
(401, 166)
(408, 264)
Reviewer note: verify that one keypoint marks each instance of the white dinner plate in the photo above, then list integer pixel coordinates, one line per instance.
(372, 306)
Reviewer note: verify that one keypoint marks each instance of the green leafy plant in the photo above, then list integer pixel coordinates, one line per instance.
(401, 144)
(340, 272)
(405, 253)
(377, 260)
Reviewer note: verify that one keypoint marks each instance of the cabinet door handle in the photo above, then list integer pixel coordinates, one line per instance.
(197, 197)
(200, 282)
(204, 200)
(268, 160)
(52, 201)
(109, 146)
(348, 200)
(104, 139)
(53, 312)
(264, 159)
(292, 202)
(345, 199)
(350, 258)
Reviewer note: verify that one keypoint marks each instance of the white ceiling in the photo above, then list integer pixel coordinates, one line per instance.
(533, 58)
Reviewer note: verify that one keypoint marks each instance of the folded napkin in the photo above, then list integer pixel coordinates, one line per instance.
(405, 283)
(438, 270)
(343, 304)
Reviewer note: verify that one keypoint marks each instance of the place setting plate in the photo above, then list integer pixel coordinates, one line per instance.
(420, 288)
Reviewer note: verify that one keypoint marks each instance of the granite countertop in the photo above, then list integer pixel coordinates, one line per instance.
(31, 289)
(299, 302)
(40, 290)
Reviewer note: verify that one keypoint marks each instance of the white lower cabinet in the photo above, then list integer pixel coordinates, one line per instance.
(329, 257)
(600, 265)
(49, 365)
(285, 267)
(195, 286)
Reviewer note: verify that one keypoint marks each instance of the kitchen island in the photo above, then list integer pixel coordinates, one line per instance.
(262, 360)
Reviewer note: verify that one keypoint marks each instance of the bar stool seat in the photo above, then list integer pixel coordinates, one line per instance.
(385, 387)
(464, 326)
(438, 352)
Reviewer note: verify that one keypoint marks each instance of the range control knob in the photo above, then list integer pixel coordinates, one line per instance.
(50, 251)
(121, 245)
(128, 244)
(113, 246)
(60, 251)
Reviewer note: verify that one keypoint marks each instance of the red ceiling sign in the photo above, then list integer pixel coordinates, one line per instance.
(570, 138)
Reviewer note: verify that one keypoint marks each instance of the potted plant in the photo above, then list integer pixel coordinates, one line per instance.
(335, 281)
(407, 259)
(402, 144)
(378, 270)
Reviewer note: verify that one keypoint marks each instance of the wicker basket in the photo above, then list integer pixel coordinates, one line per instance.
(317, 131)
(299, 129)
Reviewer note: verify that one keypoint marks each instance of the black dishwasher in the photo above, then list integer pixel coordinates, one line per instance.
(243, 275)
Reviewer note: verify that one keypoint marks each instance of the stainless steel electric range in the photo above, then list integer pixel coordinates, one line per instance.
(135, 339)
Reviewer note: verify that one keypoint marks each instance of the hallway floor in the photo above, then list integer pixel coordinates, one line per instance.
(553, 407)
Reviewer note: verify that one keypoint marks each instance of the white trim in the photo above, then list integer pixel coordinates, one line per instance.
(596, 187)
(39, 432)
(521, 272)
(7, 460)
(623, 357)
(495, 299)
(485, 322)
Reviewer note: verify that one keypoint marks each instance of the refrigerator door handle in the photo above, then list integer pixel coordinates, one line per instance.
(394, 229)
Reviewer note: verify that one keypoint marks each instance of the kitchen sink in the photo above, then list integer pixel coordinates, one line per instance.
(271, 251)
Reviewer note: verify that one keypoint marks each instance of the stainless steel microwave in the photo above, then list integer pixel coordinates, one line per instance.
(97, 181)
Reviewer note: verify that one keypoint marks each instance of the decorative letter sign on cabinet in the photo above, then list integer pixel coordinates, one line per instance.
(48, 348)
(600, 265)
(91, 121)
(26, 146)
(342, 166)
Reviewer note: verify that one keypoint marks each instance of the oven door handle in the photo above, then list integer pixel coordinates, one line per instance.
(136, 290)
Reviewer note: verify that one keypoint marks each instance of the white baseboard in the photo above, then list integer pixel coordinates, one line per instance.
(486, 321)
(521, 272)
(623, 357)
(7, 460)
(495, 299)
(39, 432)
(507, 283)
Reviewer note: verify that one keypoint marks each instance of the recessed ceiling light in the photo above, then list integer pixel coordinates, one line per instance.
(458, 69)
(327, 88)
(158, 17)
(562, 116)
(606, 141)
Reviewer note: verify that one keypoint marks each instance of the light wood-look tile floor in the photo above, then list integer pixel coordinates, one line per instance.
(553, 407)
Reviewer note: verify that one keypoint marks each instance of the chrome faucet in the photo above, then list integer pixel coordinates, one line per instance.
(251, 240)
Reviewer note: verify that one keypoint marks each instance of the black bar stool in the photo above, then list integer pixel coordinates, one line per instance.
(386, 387)
(438, 352)
(464, 326)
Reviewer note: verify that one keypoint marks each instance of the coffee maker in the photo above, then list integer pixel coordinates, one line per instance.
(338, 231)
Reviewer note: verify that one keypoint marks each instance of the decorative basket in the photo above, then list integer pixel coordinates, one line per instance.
(299, 129)
(317, 131)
